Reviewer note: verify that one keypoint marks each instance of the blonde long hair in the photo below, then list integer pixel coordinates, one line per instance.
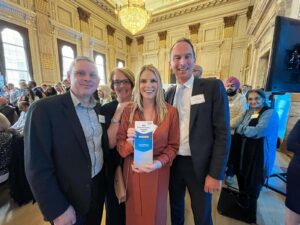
(4, 123)
(160, 104)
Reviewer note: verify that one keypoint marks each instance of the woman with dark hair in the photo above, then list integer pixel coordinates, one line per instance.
(254, 144)
(293, 178)
(122, 82)
(50, 91)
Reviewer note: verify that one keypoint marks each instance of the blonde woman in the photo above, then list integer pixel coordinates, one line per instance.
(148, 185)
(104, 94)
(60, 88)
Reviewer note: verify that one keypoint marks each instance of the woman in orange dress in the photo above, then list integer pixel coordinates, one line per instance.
(147, 185)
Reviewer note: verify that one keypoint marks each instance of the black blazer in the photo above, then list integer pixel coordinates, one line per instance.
(209, 133)
(57, 161)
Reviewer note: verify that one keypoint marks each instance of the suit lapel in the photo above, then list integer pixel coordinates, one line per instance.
(197, 89)
(74, 123)
(170, 95)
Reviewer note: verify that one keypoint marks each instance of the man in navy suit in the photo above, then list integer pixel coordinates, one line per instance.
(204, 137)
(65, 151)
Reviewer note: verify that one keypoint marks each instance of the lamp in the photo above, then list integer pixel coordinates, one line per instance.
(133, 15)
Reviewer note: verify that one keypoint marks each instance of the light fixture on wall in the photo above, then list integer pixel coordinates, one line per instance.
(133, 15)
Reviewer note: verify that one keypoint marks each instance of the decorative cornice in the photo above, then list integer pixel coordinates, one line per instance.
(106, 7)
(140, 40)
(162, 35)
(11, 10)
(83, 14)
(194, 28)
(65, 30)
(229, 21)
(249, 12)
(190, 8)
(128, 41)
(110, 30)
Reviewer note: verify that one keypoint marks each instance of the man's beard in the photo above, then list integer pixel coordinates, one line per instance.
(230, 92)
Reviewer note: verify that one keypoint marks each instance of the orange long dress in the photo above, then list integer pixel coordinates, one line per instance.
(146, 202)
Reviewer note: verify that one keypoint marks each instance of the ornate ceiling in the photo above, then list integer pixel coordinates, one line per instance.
(165, 9)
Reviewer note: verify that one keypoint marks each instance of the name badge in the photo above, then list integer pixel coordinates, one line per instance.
(197, 99)
(101, 118)
(254, 116)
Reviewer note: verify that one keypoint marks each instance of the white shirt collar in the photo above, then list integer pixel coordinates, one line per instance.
(189, 83)
(77, 102)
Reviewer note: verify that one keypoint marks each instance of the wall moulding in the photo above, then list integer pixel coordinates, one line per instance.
(68, 32)
(15, 12)
(94, 42)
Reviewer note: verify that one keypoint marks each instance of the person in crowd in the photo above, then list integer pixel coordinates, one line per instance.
(64, 158)
(67, 84)
(237, 108)
(293, 178)
(197, 71)
(8, 111)
(104, 94)
(6, 138)
(60, 89)
(51, 91)
(147, 185)
(44, 87)
(6, 92)
(19, 125)
(122, 82)
(13, 94)
(37, 92)
(28, 96)
(245, 88)
(204, 136)
(254, 144)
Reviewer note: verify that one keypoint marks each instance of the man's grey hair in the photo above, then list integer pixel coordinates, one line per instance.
(77, 59)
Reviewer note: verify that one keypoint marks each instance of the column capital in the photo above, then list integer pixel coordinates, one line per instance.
(194, 28)
(128, 40)
(229, 21)
(83, 14)
(162, 35)
(140, 40)
(249, 12)
(110, 30)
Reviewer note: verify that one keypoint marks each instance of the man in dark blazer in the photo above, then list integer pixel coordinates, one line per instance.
(65, 150)
(204, 137)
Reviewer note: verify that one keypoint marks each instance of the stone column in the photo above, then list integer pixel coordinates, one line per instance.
(84, 28)
(162, 57)
(140, 57)
(194, 29)
(45, 43)
(111, 47)
(226, 47)
(128, 46)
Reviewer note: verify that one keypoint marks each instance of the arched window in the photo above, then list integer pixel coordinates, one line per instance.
(120, 63)
(16, 59)
(100, 64)
(66, 53)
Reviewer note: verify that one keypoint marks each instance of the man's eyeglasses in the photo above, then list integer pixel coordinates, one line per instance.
(119, 82)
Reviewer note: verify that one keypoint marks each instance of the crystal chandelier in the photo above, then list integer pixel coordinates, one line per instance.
(133, 15)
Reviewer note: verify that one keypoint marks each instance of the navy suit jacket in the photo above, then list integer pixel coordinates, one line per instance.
(209, 129)
(57, 160)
